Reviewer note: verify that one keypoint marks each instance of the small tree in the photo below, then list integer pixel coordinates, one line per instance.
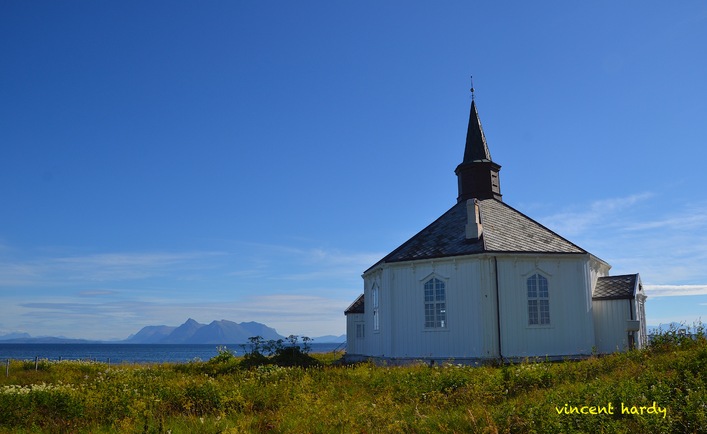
(254, 352)
(293, 355)
(306, 340)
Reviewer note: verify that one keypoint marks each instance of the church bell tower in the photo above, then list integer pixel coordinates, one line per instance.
(477, 174)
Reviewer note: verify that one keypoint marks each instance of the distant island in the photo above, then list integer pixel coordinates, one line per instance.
(191, 332)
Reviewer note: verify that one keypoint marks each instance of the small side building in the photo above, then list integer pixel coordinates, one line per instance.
(619, 303)
(355, 326)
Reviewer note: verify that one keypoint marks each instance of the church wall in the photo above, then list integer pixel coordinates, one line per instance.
(610, 318)
(354, 339)
(640, 306)
(372, 345)
(470, 302)
(472, 326)
(571, 330)
(597, 269)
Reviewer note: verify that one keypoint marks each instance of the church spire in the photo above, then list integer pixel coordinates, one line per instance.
(477, 174)
(476, 148)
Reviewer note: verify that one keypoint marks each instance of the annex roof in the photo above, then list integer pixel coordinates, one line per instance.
(356, 307)
(505, 230)
(616, 287)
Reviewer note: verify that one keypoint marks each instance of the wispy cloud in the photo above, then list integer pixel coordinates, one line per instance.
(296, 290)
(96, 293)
(330, 263)
(291, 313)
(692, 219)
(67, 269)
(675, 290)
(304, 264)
(658, 236)
(598, 213)
(663, 239)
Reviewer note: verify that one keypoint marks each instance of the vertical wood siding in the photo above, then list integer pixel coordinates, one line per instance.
(610, 318)
(470, 306)
(472, 328)
(354, 344)
(571, 330)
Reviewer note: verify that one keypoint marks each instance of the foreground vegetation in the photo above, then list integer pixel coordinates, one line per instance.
(233, 395)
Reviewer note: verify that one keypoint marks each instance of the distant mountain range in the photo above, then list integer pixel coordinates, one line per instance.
(217, 332)
(191, 332)
(25, 338)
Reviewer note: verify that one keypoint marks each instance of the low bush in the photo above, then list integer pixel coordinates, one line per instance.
(275, 352)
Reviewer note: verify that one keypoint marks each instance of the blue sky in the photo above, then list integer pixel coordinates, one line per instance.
(249, 160)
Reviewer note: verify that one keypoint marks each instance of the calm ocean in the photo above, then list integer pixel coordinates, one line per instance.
(125, 353)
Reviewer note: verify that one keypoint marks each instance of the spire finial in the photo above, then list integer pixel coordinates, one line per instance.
(471, 77)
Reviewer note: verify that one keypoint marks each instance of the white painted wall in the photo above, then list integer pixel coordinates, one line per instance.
(571, 329)
(610, 323)
(470, 305)
(354, 344)
(471, 308)
(610, 318)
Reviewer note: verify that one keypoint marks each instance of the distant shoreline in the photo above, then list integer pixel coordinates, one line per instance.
(129, 352)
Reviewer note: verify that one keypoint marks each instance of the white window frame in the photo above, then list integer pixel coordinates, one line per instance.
(360, 330)
(435, 303)
(537, 288)
(375, 296)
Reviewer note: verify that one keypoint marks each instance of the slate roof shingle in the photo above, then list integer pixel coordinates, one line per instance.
(615, 287)
(356, 307)
(505, 230)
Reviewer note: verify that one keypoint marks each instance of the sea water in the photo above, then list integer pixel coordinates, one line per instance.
(127, 353)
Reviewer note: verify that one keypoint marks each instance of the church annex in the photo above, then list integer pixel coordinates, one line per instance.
(484, 281)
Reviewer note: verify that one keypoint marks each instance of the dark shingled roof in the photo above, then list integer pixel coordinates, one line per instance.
(616, 287)
(356, 307)
(476, 148)
(504, 230)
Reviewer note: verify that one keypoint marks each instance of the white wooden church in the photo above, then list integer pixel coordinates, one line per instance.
(485, 281)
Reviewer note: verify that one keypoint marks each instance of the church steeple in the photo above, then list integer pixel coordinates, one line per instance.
(477, 174)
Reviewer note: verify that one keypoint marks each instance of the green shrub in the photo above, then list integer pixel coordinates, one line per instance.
(677, 336)
(275, 352)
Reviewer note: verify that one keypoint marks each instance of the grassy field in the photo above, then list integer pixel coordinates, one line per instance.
(659, 390)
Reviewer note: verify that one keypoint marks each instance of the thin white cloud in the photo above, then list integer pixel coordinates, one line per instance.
(301, 265)
(313, 256)
(96, 293)
(291, 313)
(67, 270)
(691, 220)
(598, 213)
(120, 266)
(664, 240)
(674, 290)
(295, 290)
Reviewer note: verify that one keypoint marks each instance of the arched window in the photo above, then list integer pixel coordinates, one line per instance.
(435, 304)
(538, 300)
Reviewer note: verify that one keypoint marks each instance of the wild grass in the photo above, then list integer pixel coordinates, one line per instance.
(223, 396)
